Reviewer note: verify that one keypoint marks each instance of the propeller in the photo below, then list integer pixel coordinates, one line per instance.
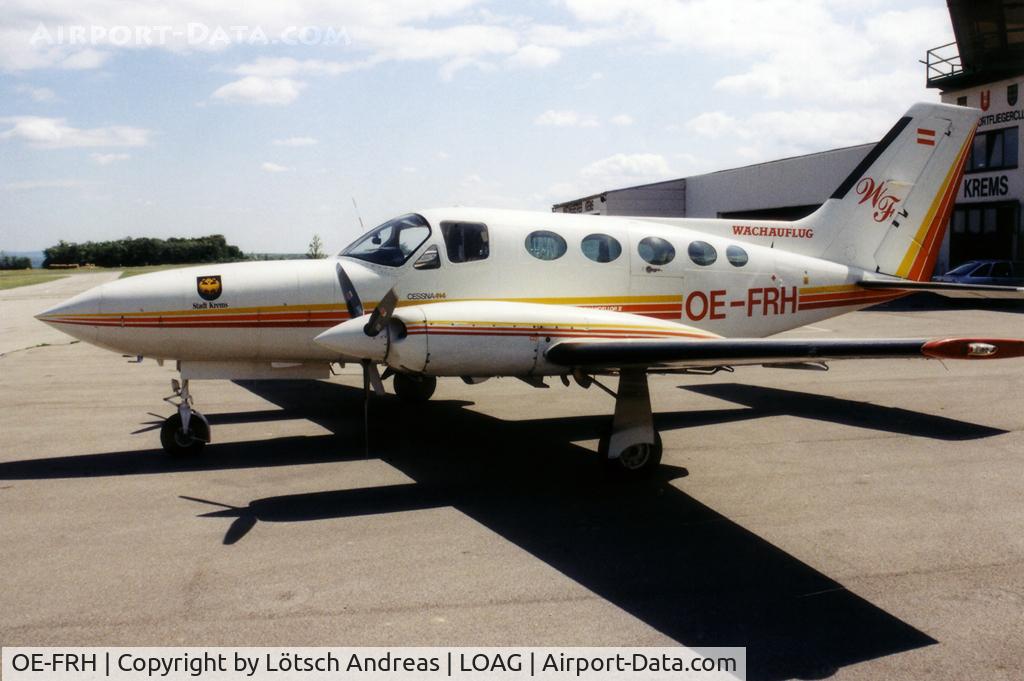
(377, 322)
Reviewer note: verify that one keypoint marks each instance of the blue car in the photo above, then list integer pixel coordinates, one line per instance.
(990, 272)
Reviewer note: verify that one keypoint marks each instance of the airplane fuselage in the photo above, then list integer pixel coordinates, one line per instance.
(742, 286)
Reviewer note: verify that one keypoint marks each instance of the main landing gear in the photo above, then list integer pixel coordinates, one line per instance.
(187, 431)
(414, 389)
(632, 448)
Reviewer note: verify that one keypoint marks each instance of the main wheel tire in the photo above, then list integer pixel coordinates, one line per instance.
(635, 462)
(414, 389)
(177, 442)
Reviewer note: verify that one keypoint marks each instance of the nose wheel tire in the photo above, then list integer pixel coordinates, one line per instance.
(177, 442)
(636, 461)
(414, 389)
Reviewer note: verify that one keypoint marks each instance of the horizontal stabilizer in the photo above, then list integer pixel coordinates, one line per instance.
(950, 290)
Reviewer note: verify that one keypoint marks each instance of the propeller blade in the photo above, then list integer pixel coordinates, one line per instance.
(371, 380)
(366, 407)
(381, 314)
(375, 379)
(348, 291)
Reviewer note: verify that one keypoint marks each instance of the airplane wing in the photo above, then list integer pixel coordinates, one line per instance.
(950, 290)
(681, 354)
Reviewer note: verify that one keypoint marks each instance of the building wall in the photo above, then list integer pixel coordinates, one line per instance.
(799, 181)
(987, 220)
(653, 200)
(793, 182)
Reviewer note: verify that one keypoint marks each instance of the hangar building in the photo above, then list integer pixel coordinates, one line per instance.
(984, 68)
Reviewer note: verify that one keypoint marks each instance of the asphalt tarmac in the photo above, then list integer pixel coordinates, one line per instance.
(863, 523)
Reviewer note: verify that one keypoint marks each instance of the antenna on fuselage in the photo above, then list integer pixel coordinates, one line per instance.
(356, 206)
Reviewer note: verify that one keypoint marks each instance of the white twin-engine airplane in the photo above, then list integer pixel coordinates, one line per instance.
(478, 293)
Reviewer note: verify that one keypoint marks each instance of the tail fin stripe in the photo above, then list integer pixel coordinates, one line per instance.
(872, 156)
(925, 242)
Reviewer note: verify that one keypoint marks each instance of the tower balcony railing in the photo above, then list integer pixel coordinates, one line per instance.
(941, 63)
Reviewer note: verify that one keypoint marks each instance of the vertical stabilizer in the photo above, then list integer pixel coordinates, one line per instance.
(890, 214)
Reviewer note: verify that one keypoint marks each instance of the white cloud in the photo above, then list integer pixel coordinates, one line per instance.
(622, 120)
(38, 94)
(551, 35)
(565, 118)
(273, 167)
(295, 142)
(455, 33)
(711, 124)
(453, 66)
(612, 172)
(280, 67)
(107, 159)
(534, 56)
(472, 180)
(55, 133)
(474, 190)
(409, 43)
(18, 52)
(84, 59)
(800, 50)
(634, 168)
(31, 185)
(766, 135)
(268, 80)
(260, 90)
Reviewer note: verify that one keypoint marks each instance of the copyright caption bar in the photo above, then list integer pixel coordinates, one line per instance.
(399, 663)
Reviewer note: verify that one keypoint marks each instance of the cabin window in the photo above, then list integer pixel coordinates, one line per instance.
(736, 256)
(545, 245)
(466, 241)
(430, 259)
(702, 253)
(656, 251)
(601, 247)
(392, 243)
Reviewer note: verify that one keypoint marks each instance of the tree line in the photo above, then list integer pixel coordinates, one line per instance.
(14, 262)
(131, 252)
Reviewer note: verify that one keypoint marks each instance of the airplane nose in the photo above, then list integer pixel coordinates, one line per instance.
(75, 316)
(350, 339)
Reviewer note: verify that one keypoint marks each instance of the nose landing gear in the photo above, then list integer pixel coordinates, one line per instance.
(414, 389)
(187, 431)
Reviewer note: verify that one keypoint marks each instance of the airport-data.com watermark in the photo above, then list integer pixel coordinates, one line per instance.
(198, 35)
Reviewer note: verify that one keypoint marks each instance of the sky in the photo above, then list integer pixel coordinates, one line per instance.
(272, 121)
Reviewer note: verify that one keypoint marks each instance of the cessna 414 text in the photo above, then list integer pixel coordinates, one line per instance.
(478, 293)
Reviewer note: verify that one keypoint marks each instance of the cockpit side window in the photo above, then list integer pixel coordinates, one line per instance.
(393, 243)
(466, 241)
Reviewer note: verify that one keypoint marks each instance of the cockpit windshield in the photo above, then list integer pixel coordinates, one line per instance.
(393, 243)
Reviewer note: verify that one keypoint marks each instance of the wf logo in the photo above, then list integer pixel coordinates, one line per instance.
(878, 194)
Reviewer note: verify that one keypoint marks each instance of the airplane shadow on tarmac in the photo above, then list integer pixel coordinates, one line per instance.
(646, 547)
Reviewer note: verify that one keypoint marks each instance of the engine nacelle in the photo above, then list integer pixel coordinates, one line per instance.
(490, 338)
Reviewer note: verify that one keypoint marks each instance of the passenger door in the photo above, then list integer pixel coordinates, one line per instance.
(656, 264)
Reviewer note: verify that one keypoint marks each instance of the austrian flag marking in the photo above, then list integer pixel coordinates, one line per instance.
(926, 136)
